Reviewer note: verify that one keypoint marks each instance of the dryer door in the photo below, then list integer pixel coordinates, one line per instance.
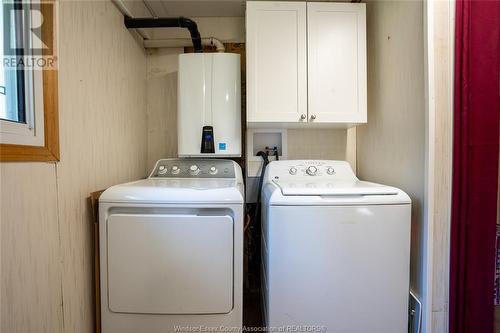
(170, 264)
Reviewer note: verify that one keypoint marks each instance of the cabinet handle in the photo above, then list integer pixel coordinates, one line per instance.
(313, 116)
(302, 117)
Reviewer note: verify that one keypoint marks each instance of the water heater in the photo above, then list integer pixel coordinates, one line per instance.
(209, 105)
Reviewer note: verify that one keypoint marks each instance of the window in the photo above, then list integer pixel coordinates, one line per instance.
(28, 81)
(12, 80)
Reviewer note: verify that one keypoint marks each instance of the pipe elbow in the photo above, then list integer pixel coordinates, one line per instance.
(191, 25)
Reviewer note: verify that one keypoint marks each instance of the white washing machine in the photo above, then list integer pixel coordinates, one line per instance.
(171, 249)
(336, 250)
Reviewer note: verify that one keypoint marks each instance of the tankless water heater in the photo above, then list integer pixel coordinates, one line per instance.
(209, 105)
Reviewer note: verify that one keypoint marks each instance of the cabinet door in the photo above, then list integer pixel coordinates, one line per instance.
(336, 35)
(276, 61)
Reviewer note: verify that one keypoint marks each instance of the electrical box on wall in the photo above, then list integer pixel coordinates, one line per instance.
(209, 105)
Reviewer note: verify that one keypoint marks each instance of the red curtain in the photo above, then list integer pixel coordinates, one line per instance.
(475, 165)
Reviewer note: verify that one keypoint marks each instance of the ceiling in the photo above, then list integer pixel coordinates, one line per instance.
(199, 8)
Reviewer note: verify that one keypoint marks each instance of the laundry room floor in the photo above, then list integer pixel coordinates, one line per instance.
(252, 315)
(497, 319)
(252, 301)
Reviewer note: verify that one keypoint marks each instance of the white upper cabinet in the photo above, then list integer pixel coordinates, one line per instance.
(276, 61)
(336, 37)
(328, 87)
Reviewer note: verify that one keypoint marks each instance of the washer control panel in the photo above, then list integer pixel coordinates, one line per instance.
(193, 168)
(309, 174)
(307, 168)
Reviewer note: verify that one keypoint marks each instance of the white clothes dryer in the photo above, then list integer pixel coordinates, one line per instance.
(171, 249)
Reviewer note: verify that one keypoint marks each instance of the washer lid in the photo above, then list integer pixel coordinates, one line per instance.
(319, 192)
(315, 187)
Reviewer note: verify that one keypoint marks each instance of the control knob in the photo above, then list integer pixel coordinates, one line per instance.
(311, 170)
(330, 171)
(213, 170)
(175, 170)
(194, 170)
(162, 170)
(293, 171)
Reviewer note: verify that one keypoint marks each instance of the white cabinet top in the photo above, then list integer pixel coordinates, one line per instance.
(306, 64)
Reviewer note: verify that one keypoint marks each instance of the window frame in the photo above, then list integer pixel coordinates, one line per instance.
(28, 129)
(48, 150)
(21, 73)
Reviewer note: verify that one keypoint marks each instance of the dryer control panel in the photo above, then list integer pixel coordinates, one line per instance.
(193, 168)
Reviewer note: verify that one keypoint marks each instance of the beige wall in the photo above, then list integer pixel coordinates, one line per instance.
(30, 275)
(46, 243)
(321, 144)
(162, 104)
(391, 147)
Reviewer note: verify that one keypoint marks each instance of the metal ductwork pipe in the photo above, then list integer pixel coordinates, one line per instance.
(168, 22)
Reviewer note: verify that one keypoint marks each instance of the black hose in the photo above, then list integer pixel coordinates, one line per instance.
(261, 181)
(168, 22)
